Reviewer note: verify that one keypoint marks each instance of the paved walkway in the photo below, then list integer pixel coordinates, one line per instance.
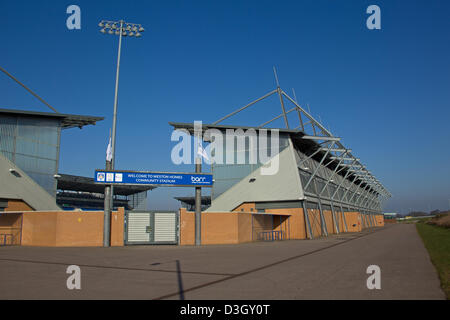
(328, 268)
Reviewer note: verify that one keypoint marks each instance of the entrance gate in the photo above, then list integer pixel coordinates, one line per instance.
(151, 227)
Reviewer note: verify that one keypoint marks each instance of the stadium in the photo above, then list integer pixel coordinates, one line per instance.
(319, 187)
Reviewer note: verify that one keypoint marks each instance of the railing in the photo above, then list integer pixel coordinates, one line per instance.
(270, 235)
(4, 239)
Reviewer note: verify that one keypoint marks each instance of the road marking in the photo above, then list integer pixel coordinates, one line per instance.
(117, 268)
(233, 276)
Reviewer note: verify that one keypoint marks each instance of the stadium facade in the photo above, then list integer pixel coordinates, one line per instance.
(29, 166)
(318, 188)
(318, 178)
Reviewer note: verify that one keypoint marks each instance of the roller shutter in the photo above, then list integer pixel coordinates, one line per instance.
(165, 227)
(151, 227)
(138, 227)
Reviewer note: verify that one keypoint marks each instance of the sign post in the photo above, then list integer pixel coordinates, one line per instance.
(108, 205)
(198, 208)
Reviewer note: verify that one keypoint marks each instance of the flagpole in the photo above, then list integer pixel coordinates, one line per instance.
(108, 204)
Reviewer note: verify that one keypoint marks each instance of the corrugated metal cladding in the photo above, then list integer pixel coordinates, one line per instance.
(33, 145)
(151, 228)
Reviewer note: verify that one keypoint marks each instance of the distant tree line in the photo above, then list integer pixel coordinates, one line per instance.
(422, 213)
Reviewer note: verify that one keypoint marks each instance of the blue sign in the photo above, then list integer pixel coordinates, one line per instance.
(171, 179)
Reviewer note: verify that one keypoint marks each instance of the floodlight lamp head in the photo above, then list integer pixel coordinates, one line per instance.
(101, 25)
(141, 29)
(103, 31)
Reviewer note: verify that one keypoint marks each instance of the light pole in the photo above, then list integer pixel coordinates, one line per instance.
(121, 29)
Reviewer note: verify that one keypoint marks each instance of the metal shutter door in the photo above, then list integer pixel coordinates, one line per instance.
(137, 227)
(165, 227)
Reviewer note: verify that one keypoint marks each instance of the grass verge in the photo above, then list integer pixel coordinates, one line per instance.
(437, 242)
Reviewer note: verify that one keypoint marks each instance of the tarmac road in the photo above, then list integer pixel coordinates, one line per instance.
(327, 268)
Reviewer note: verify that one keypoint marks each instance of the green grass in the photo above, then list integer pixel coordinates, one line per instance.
(437, 242)
(414, 220)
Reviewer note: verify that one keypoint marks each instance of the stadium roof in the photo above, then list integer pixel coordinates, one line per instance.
(86, 184)
(318, 142)
(299, 138)
(67, 120)
(206, 200)
(190, 127)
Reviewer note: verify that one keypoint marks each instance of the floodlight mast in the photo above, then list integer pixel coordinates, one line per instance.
(122, 29)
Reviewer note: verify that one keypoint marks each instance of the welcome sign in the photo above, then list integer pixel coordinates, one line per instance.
(169, 179)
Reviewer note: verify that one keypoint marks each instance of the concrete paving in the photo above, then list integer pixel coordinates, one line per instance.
(327, 268)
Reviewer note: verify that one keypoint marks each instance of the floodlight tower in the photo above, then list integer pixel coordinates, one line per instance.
(121, 29)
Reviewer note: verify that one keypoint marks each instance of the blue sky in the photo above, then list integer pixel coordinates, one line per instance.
(385, 92)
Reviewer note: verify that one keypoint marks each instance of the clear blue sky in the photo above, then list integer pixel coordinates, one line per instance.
(386, 92)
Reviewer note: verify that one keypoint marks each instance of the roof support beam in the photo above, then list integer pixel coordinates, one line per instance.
(245, 107)
(356, 166)
(277, 117)
(325, 138)
(317, 168)
(321, 138)
(345, 159)
(335, 150)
